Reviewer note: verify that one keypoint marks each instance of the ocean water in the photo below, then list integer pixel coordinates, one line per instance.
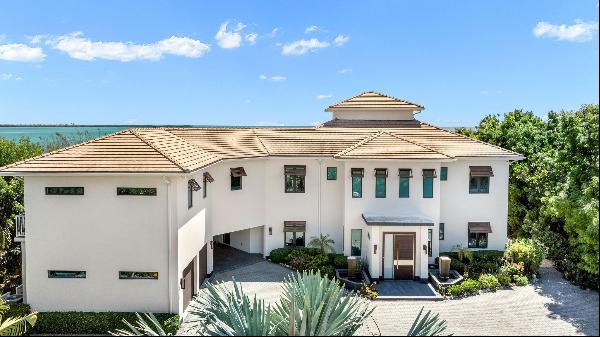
(39, 134)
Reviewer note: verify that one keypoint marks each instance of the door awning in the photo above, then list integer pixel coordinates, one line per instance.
(375, 219)
(480, 227)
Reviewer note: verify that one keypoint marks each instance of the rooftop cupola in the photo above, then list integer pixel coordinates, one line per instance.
(374, 106)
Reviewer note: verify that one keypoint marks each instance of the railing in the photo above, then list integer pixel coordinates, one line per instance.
(20, 226)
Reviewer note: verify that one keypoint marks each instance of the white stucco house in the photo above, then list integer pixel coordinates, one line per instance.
(127, 222)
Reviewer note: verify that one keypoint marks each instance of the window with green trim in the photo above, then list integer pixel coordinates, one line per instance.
(443, 173)
(380, 183)
(442, 230)
(66, 274)
(64, 190)
(405, 175)
(428, 176)
(138, 275)
(332, 173)
(357, 177)
(137, 191)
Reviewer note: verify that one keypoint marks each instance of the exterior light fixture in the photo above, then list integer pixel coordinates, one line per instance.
(270, 230)
(374, 249)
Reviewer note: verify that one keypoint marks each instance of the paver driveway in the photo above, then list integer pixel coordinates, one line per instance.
(550, 307)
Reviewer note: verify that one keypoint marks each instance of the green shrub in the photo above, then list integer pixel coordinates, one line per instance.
(457, 265)
(171, 325)
(468, 286)
(513, 269)
(504, 278)
(18, 310)
(339, 261)
(520, 280)
(281, 255)
(489, 282)
(525, 251)
(75, 323)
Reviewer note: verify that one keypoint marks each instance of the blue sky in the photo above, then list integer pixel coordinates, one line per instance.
(283, 62)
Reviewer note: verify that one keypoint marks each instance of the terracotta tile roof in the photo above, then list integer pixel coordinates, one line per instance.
(371, 100)
(172, 150)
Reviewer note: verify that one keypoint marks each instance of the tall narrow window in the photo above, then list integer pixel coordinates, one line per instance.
(204, 187)
(428, 176)
(294, 178)
(443, 173)
(430, 242)
(190, 195)
(442, 230)
(206, 178)
(236, 178)
(357, 177)
(380, 182)
(356, 242)
(405, 175)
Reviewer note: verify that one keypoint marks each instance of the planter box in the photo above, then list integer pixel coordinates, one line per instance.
(352, 284)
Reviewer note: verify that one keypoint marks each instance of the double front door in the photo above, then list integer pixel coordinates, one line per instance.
(399, 256)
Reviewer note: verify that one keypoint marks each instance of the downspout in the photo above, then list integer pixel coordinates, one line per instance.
(168, 183)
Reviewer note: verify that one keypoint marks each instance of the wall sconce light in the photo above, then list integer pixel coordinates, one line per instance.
(425, 248)
(374, 249)
(211, 244)
(270, 230)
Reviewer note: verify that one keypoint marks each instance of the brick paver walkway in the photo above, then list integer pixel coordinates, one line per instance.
(552, 306)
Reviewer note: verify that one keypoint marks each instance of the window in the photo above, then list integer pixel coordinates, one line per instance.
(430, 242)
(405, 175)
(479, 185)
(443, 173)
(294, 233)
(190, 195)
(428, 176)
(357, 176)
(478, 240)
(380, 182)
(138, 191)
(442, 228)
(66, 274)
(206, 178)
(64, 191)
(356, 242)
(332, 173)
(138, 275)
(236, 178)
(294, 178)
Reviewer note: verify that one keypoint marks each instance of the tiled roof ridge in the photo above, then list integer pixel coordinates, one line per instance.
(374, 92)
(417, 144)
(359, 143)
(472, 139)
(43, 155)
(149, 143)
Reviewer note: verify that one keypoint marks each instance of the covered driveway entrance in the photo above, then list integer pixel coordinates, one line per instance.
(227, 258)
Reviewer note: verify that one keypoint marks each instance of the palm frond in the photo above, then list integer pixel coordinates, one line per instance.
(17, 326)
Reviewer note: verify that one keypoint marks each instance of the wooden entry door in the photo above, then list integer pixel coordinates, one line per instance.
(202, 269)
(187, 284)
(404, 257)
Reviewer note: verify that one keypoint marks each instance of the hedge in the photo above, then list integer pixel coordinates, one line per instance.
(76, 323)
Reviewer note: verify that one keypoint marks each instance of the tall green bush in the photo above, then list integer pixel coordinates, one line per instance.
(526, 252)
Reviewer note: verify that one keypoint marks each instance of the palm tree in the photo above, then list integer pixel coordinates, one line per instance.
(311, 305)
(15, 326)
(323, 242)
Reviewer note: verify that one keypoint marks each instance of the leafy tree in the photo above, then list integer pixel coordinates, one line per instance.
(11, 204)
(553, 193)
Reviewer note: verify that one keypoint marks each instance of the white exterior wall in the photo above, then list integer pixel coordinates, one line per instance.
(102, 234)
(459, 207)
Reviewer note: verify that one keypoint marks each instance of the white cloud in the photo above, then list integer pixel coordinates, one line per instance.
(341, 40)
(345, 71)
(36, 39)
(323, 96)
(9, 76)
(484, 92)
(229, 38)
(274, 32)
(21, 53)
(580, 31)
(275, 78)
(301, 47)
(81, 48)
(311, 29)
(251, 38)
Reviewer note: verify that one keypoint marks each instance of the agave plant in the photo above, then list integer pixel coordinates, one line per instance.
(428, 325)
(15, 326)
(148, 326)
(323, 242)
